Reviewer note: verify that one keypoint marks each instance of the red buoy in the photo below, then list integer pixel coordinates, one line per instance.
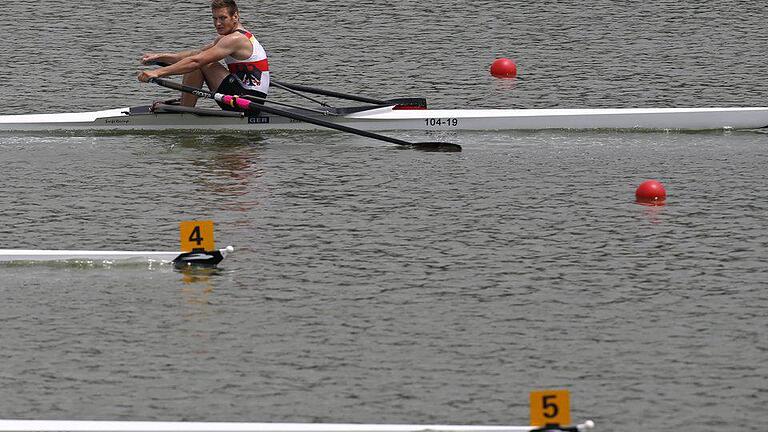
(504, 68)
(651, 192)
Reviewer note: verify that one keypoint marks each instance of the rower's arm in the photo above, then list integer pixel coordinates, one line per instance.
(212, 53)
(171, 58)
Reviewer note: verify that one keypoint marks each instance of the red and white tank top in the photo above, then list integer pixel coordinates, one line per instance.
(252, 72)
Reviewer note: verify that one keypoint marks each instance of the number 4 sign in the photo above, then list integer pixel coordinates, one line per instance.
(196, 235)
(550, 407)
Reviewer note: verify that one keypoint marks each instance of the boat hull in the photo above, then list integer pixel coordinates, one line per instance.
(386, 118)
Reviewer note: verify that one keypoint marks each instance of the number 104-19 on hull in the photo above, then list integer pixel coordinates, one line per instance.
(447, 122)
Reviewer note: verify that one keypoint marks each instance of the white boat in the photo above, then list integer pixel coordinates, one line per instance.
(176, 257)
(392, 117)
(153, 426)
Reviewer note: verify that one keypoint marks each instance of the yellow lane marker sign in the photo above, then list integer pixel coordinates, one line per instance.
(550, 407)
(197, 236)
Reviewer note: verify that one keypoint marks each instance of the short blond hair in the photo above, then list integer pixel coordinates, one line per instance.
(229, 4)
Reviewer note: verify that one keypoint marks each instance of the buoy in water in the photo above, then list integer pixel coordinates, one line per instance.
(503, 68)
(651, 192)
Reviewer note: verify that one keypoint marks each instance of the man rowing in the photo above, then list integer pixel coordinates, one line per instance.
(247, 70)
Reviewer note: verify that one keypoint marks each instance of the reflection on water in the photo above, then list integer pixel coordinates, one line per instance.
(225, 166)
(197, 285)
(652, 213)
(217, 140)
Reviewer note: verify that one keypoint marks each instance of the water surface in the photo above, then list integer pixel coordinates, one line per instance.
(372, 284)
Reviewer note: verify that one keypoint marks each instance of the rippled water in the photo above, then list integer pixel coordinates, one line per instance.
(371, 284)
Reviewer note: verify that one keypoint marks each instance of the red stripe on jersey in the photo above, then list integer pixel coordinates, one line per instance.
(262, 65)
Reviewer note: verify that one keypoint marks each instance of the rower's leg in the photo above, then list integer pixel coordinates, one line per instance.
(211, 74)
(192, 79)
(214, 74)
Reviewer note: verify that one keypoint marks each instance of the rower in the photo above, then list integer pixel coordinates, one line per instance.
(247, 71)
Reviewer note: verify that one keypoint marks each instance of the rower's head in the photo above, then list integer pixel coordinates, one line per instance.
(226, 16)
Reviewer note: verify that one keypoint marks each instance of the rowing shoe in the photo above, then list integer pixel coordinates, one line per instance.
(247, 105)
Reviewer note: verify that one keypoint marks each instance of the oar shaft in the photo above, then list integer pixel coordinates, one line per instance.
(299, 94)
(247, 105)
(173, 85)
(262, 100)
(331, 93)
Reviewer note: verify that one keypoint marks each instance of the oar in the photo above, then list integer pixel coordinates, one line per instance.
(299, 94)
(331, 93)
(245, 104)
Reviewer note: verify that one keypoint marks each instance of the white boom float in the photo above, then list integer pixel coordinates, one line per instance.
(197, 248)
(152, 426)
(43, 255)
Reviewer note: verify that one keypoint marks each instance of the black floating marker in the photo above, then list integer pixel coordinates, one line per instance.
(198, 258)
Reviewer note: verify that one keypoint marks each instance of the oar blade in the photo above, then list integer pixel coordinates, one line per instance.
(436, 146)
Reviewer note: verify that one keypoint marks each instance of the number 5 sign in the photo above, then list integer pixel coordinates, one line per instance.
(550, 407)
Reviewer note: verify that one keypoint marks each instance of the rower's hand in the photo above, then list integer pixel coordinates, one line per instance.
(145, 76)
(150, 58)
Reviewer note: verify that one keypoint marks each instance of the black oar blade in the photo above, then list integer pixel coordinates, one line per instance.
(436, 146)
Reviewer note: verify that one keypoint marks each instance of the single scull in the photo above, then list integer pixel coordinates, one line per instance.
(154, 426)
(392, 117)
(379, 115)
